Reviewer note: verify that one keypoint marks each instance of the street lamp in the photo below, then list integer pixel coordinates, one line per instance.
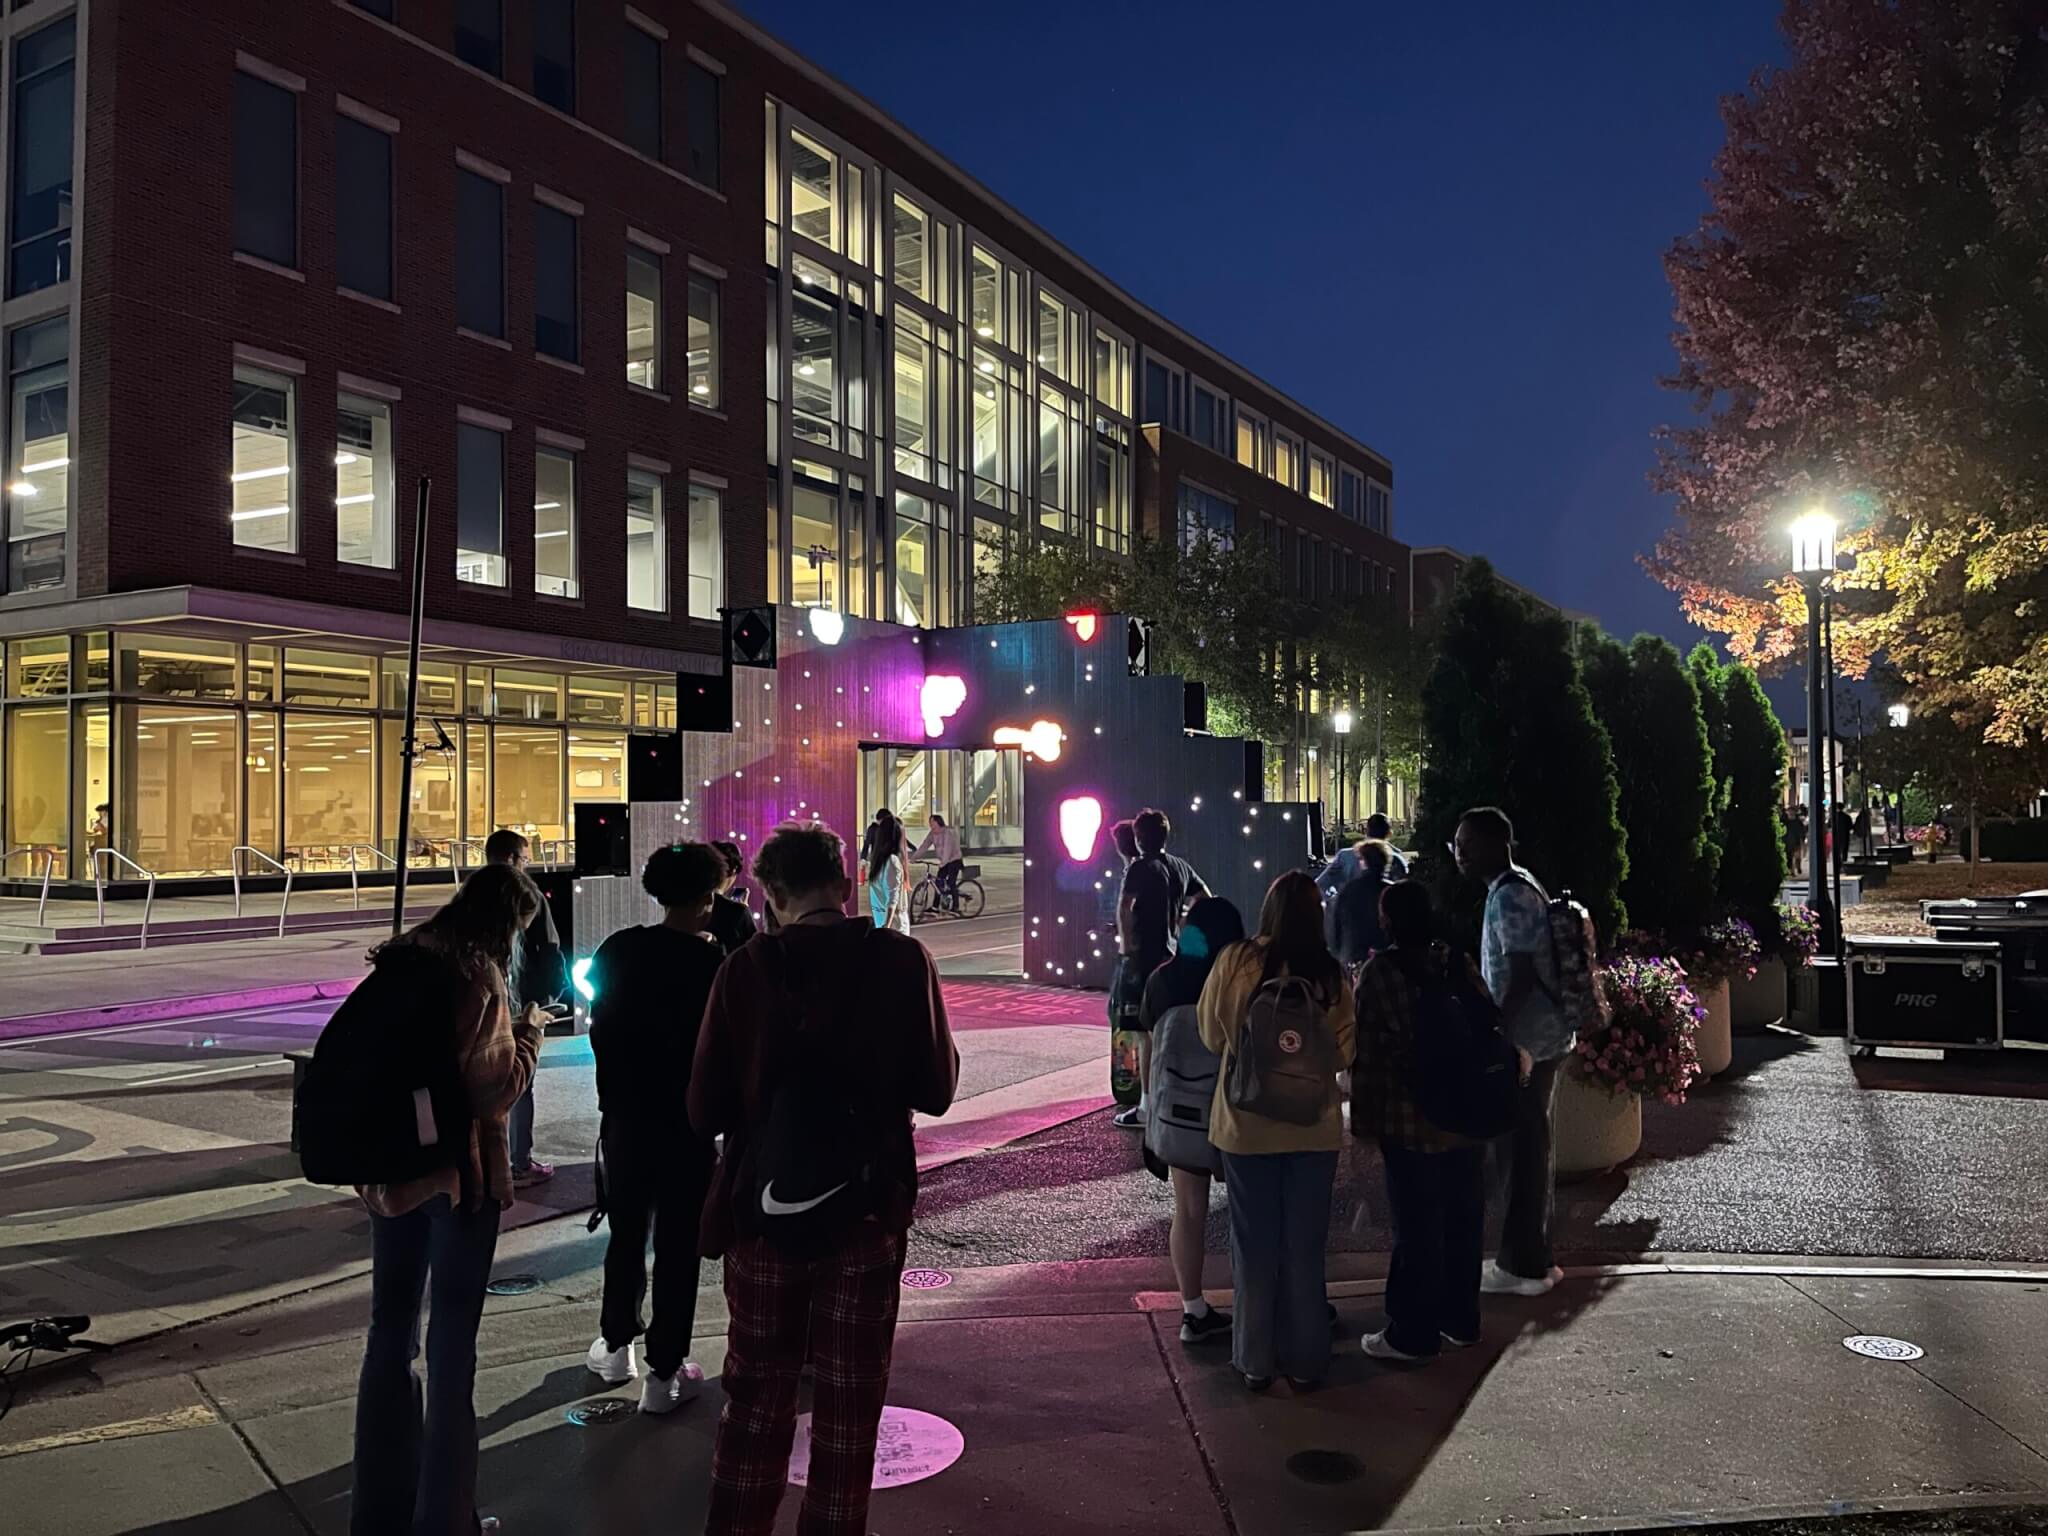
(1341, 723)
(1813, 561)
(1897, 715)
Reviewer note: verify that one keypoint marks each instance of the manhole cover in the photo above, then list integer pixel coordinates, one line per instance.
(603, 1410)
(513, 1285)
(1878, 1347)
(1325, 1468)
(910, 1447)
(926, 1279)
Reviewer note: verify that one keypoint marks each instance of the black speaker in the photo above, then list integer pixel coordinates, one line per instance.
(1194, 706)
(1255, 770)
(1138, 646)
(703, 703)
(604, 843)
(654, 766)
(1315, 829)
(750, 637)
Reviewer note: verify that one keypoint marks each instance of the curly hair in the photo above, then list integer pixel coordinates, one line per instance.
(683, 873)
(481, 922)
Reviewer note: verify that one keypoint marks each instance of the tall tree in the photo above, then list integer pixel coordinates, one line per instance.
(1752, 769)
(1863, 319)
(1646, 698)
(1949, 760)
(1507, 722)
(1705, 668)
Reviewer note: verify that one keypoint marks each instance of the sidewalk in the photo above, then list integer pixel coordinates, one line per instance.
(1654, 1397)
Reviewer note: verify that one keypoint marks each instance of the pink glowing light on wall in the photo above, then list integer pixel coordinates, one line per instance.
(1042, 740)
(940, 699)
(1080, 820)
(1084, 625)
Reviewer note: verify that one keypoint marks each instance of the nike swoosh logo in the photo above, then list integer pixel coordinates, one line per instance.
(770, 1206)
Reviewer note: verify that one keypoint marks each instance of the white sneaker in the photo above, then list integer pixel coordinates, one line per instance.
(1495, 1281)
(612, 1366)
(659, 1394)
(1380, 1347)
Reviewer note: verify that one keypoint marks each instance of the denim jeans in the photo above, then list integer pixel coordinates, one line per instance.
(519, 1127)
(1528, 1155)
(1439, 1203)
(415, 1461)
(1279, 1227)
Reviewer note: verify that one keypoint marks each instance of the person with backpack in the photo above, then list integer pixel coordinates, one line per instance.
(1157, 888)
(820, 1041)
(1520, 961)
(1355, 930)
(539, 976)
(651, 984)
(1278, 1011)
(412, 1082)
(1435, 1078)
(1183, 1089)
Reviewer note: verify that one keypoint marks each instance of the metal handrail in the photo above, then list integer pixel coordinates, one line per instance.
(354, 887)
(49, 863)
(235, 870)
(556, 851)
(99, 887)
(455, 847)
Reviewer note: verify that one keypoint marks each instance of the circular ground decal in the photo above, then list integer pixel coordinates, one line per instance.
(926, 1279)
(602, 1410)
(513, 1285)
(1878, 1347)
(911, 1447)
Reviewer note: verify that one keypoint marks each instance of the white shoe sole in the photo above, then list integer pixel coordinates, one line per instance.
(1376, 1347)
(658, 1397)
(608, 1372)
(1500, 1282)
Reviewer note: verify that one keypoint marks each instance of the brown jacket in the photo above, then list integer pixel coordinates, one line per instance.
(902, 1056)
(497, 1065)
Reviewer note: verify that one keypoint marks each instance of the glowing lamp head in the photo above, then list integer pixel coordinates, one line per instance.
(1080, 821)
(827, 626)
(1085, 625)
(1813, 543)
(1041, 740)
(939, 699)
(1898, 714)
(1342, 722)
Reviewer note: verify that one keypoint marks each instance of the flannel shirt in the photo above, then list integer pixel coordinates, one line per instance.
(1381, 1104)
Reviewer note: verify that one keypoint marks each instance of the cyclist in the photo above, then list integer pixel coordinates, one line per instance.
(941, 842)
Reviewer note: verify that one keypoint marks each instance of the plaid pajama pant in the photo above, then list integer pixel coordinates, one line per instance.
(841, 1310)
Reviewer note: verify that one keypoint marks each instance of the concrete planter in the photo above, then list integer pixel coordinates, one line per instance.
(1715, 1041)
(1596, 1130)
(1759, 1002)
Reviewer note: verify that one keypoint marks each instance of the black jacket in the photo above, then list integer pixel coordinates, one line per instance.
(651, 985)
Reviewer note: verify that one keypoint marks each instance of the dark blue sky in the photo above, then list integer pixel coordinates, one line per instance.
(1440, 226)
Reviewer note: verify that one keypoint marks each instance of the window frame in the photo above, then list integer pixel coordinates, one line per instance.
(62, 231)
(658, 563)
(258, 375)
(345, 124)
(1350, 507)
(648, 256)
(702, 282)
(467, 175)
(547, 210)
(1244, 419)
(1294, 480)
(353, 402)
(1327, 462)
(466, 423)
(264, 79)
(637, 36)
(715, 489)
(701, 70)
(570, 66)
(544, 448)
(1221, 442)
(460, 31)
(17, 449)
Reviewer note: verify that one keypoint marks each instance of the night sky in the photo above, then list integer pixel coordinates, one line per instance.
(1440, 227)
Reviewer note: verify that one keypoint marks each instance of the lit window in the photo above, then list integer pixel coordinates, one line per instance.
(554, 53)
(915, 592)
(479, 504)
(704, 349)
(915, 432)
(643, 91)
(1287, 460)
(909, 246)
(1052, 334)
(480, 33)
(38, 454)
(362, 196)
(554, 283)
(554, 522)
(813, 191)
(643, 318)
(479, 254)
(1113, 373)
(263, 501)
(987, 298)
(707, 552)
(646, 543)
(365, 524)
(39, 219)
(1052, 458)
(701, 99)
(1322, 478)
(266, 170)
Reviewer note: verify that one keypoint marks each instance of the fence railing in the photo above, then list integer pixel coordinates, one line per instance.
(235, 870)
(101, 857)
(49, 862)
(355, 888)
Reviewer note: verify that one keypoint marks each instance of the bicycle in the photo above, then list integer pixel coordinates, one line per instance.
(927, 901)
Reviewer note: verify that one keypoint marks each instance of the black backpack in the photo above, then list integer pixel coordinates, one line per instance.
(1464, 1073)
(813, 1170)
(383, 1100)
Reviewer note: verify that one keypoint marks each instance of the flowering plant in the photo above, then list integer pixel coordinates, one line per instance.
(1721, 952)
(1933, 835)
(1646, 1046)
(1798, 934)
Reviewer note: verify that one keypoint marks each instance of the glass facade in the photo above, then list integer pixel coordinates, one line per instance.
(38, 454)
(175, 749)
(365, 513)
(263, 480)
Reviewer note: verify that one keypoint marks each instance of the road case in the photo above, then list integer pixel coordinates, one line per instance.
(2019, 925)
(1927, 993)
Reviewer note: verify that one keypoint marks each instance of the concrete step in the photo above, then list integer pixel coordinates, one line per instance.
(17, 938)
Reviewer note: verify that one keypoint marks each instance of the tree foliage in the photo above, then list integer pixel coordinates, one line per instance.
(1949, 761)
(1507, 722)
(1647, 699)
(1863, 319)
(1749, 764)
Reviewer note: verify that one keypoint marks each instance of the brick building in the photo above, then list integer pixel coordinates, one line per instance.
(670, 320)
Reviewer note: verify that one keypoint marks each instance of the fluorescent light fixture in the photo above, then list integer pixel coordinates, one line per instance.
(355, 501)
(343, 458)
(255, 512)
(243, 477)
(552, 533)
(545, 506)
(36, 469)
(700, 389)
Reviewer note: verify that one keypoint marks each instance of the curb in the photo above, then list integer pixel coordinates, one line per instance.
(163, 1009)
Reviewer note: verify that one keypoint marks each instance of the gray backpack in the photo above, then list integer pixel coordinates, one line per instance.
(1284, 1066)
(1183, 1087)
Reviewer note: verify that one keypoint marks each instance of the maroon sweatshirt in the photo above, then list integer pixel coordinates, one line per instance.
(878, 985)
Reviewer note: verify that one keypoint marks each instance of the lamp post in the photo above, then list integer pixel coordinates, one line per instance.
(1341, 723)
(1813, 561)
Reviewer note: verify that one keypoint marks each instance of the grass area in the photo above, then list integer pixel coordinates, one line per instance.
(1894, 907)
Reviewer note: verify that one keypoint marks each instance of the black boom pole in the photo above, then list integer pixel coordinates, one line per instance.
(408, 746)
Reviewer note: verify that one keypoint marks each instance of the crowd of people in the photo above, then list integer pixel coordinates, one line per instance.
(757, 1088)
